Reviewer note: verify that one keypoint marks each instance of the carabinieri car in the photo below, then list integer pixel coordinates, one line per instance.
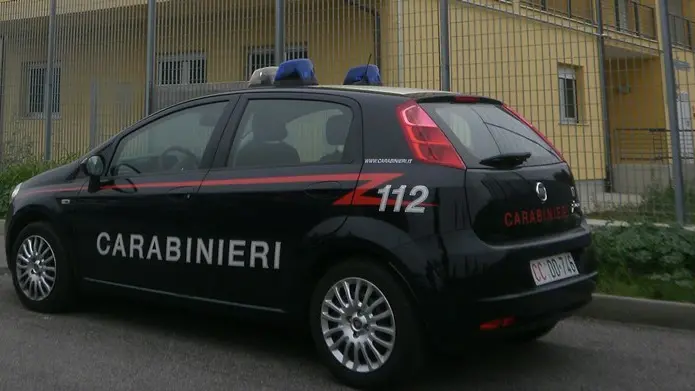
(387, 221)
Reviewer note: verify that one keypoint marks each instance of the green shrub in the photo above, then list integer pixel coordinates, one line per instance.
(14, 173)
(646, 260)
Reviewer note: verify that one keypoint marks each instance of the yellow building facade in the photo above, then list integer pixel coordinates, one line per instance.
(597, 91)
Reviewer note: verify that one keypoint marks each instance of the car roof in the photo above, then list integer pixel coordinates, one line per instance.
(415, 93)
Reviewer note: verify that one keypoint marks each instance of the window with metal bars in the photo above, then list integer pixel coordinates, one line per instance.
(569, 105)
(36, 87)
(261, 57)
(182, 69)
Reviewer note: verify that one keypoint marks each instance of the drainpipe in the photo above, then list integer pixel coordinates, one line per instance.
(377, 27)
(607, 183)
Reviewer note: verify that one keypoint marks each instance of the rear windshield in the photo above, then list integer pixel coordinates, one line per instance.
(485, 130)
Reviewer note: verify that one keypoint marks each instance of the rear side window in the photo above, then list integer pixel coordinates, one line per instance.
(484, 130)
(290, 132)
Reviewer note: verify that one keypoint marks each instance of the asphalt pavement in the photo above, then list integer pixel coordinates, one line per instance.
(120, 345)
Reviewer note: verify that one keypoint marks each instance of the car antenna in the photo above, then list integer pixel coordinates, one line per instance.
(366, 69)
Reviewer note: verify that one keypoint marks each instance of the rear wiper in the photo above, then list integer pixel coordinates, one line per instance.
(506, 160)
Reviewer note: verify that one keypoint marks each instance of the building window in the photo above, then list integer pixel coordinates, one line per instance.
(569, 106)
(265, 57)
(36, 85)
(182, 69)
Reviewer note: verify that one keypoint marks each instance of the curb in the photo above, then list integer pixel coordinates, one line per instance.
(617, 223)
(640, 311)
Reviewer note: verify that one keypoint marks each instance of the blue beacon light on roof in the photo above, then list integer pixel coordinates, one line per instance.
(363, 75)
(296, 72)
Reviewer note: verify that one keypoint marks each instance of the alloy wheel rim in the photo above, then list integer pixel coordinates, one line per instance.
(358, 325)
(36, 268)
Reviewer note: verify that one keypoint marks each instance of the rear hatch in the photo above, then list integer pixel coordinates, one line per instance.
(518, 186)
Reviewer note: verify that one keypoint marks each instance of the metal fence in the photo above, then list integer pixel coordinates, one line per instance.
(592, 74)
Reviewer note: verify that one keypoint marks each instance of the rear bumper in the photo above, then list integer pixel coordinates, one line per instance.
(540, 306)
(461, 283)
(503, 316)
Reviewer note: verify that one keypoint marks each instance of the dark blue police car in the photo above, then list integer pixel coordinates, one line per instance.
(386, 220)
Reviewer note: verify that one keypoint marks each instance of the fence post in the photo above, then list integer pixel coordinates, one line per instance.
(444, 64)
(670, 80)
(49, 81)
(279, 32)
(150, 55)
(93, 116)
(608, 184)
(401, 45)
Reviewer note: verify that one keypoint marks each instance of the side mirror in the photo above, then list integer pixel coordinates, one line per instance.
(94, 166)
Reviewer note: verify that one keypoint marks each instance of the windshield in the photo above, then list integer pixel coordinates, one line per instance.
(485, 130)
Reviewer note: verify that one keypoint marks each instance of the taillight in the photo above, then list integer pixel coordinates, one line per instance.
(427, 141)
(538, 132)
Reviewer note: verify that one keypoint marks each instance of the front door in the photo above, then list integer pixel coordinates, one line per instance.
(137, 227)
(278, 187)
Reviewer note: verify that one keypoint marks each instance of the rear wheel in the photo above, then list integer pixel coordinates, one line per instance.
(364, 327)
(41, 273)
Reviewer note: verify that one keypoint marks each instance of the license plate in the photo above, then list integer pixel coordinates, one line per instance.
(555, 268)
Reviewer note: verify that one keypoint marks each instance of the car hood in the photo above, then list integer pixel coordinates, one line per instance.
(57, 175)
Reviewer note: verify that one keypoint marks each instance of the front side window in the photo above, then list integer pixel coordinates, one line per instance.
(173, 143)
(287, 132)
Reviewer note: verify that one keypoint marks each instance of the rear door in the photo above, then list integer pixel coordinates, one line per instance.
(286, 165)
(518, 187)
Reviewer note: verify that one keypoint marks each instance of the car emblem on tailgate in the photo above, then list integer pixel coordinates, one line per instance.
(541, 191)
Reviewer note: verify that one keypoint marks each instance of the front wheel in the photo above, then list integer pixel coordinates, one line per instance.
(364, 327)
(41, 273)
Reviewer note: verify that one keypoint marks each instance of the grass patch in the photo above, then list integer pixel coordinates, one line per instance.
(659, 204)
(13, 173)
(642, 260)
(645, 288)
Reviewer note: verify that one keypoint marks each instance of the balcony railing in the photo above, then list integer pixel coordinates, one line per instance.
(631, 17)
(576, 9)
(681, 31)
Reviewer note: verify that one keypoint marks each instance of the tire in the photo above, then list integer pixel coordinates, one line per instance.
(533, 334)
(57, 295)
(405, 357)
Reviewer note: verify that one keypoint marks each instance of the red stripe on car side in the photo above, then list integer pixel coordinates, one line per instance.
(355, 197)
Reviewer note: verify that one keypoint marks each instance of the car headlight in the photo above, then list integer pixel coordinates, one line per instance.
(15, 191)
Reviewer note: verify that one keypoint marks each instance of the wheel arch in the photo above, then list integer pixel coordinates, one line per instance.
(353, 241)
(28, 215)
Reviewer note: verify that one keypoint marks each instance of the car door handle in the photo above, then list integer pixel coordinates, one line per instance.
(183, 193)
(322, 190)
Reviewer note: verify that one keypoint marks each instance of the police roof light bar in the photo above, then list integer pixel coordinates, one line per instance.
(296, 72)
(263, 77)
(363, 75)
